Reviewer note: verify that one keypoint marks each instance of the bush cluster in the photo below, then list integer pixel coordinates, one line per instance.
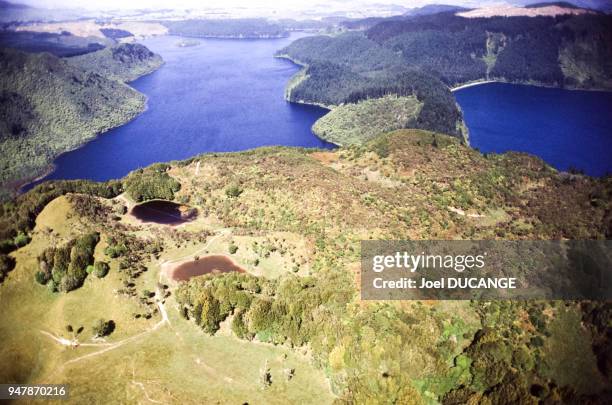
(65, 267)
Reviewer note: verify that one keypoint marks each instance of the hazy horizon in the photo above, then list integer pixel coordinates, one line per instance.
(267, 4)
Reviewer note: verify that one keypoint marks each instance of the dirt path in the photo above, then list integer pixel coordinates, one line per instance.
(160, 304)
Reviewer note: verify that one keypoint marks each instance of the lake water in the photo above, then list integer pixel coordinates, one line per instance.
(218, 96)
(566, 128)
(205, 265)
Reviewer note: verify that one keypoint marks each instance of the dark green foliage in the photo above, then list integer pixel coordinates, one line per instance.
(151, 183)
(233, 191)
(17, 217)
(424, 55)
(103, 328)
(532, 56)
(350, 68)
(123, 62)
(101, 269)
(54, 107)
(115, 33)
(454, 57)
(227, 28)
(67, 265)
(41, 277)
(7, 264)
(453, 46)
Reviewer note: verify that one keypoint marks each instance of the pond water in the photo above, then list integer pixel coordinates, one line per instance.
(205, 265)
(163, 212)
(566, 128)
(217, 96)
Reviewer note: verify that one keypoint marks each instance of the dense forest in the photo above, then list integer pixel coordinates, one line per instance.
(427, 54)
(516, 48)
(123, 62)
(350, 68)
(227, 28)
(61, 103)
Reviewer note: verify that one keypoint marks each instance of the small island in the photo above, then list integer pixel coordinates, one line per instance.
(187, 43)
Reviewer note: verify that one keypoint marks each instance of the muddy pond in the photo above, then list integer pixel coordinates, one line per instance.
(204, 265)
(164, 212)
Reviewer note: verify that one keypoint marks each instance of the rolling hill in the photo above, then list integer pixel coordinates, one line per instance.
(51, 105)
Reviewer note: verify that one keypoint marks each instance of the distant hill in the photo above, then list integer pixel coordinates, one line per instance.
(123, 62)
(601, 5)
(49, 105)
(59, 44)
(6, 5)
(564, 4)
(434, 9)
(227, 28)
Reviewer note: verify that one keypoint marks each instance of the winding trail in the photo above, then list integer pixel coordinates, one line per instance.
(160, 305)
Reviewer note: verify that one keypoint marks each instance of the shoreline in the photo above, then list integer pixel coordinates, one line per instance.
(519, 83)
(20, 184)
(471, 84)
(53, 166)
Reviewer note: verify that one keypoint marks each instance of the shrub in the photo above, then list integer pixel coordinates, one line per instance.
(103, 328)
(152, 184)
(21, 239)
(239, 328)
(233, 191)
(42, 277)
(68, 265)
(7, 264)
(101, 269)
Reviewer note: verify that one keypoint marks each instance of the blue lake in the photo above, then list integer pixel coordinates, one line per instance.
(218, 96)
(566, 128)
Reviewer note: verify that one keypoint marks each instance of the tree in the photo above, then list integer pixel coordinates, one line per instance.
(103, 328)
(7, 264)
(101, 269)
(233, 191)
(41, 277)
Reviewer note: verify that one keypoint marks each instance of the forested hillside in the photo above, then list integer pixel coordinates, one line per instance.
(350, 68)
(50, 106)
(524, 49)
(425, 55)
(353, 123)
(123, 62)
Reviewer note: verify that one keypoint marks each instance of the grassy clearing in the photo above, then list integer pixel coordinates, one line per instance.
(358, 123)
(171, 363)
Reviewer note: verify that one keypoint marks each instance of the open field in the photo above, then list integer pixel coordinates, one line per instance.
(144, 359)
